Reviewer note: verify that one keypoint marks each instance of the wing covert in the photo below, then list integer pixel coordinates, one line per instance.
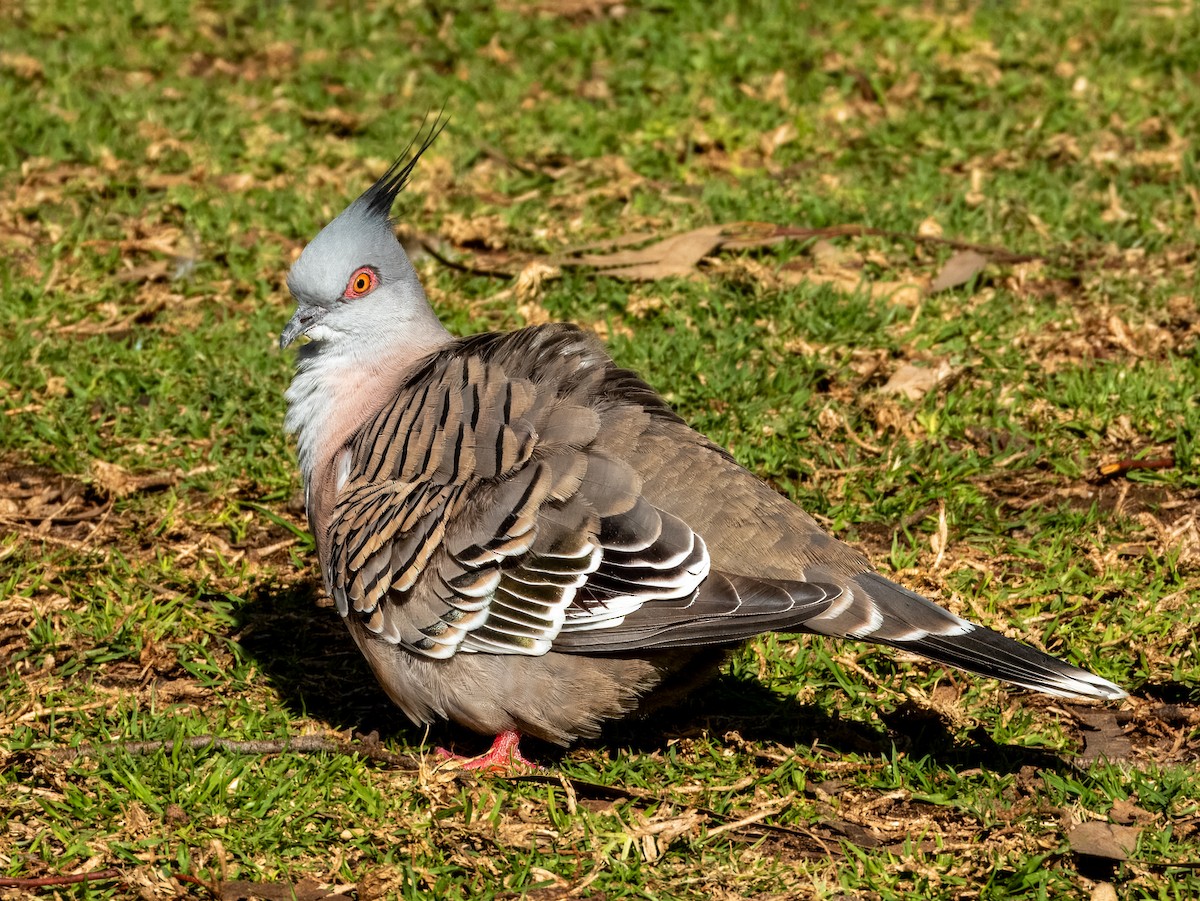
(487, 510)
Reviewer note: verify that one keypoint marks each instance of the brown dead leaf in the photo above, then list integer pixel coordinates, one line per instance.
(678, 255)
(1115, 212)
(117, 482)
(21, 65)
(906, 294)
(1105, 840)
(975, 196)
(339, 120)
(595, 86)
(1103, 735)
(1180, 538)
(828, 256)
(474, 231)
(114, 480)
(849, 279)
(235, 182)
(642, 305)
(958, 270)
(914, 382)
(930, 228)
(385, 882)
(530, 280)
(979, 65)
(532, 312)
(568, 9)
(496, 53)
(655, 834)
(777, 89)
(137, 822)
(1126, 813)
(776, 138)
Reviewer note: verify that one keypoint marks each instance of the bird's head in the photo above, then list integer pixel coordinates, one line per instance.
(354, 286)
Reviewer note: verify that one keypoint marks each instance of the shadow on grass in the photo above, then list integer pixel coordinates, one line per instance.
(759, 714)
(309, 659)
(307, 656)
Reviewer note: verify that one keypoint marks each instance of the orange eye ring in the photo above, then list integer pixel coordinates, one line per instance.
(363, 281)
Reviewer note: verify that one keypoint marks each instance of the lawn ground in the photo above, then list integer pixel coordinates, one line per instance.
(938, 287)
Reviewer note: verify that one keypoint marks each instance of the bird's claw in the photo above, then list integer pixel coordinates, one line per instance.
(503, 756)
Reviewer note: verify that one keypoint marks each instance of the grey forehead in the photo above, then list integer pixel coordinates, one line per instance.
(355, 238)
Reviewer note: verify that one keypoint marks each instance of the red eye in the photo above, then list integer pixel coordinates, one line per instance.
(363, 281)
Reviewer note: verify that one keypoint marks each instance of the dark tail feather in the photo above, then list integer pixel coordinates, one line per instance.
(878, 610)
(990, 654)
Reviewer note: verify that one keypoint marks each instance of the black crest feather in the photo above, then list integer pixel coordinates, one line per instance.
(379, 198)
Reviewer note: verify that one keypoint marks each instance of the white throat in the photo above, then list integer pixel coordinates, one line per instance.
(333, 394)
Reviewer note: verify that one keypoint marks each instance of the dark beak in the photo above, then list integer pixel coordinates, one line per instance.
(304, 318)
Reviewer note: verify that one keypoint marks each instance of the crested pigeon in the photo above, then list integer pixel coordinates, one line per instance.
(524, 538)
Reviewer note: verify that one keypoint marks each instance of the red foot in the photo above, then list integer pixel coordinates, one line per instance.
(503, 756)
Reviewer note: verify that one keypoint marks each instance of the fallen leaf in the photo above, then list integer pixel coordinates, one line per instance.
(930, 228)
(776, 138)
(958, 270)
(474, 231)
(495, 52)
(828, 255)
(677, 255)
(530, 279)
(1115, 212)
(1126, 813)
(975, 196)
(914, 382)
(776, 89)
(21, 65)
(656, 834)
(117, 482)
(339, 120)
(568, 9)
(641, 306)
(1106, 840)
(114, 480)
(906, 294)
(1103, 736)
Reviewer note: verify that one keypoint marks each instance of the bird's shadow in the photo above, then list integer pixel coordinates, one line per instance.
(307, 656)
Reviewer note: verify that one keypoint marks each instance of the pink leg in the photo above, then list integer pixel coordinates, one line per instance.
(503, 756)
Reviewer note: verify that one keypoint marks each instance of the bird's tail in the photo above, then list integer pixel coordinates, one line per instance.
(880, 611)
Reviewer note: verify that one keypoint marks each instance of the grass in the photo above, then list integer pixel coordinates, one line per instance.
(163, 166)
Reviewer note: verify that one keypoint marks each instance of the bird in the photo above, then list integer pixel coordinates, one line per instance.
(524, 538)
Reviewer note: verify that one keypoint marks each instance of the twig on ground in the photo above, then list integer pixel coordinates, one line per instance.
(74, 879)
(428, 247)
(367, 746)
(80, 547)
(261, 553)
(761, 814)
(1116, 468)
